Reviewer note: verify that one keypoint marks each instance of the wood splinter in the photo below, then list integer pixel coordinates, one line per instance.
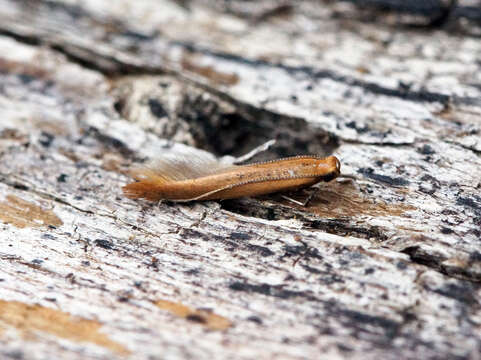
(200, 177)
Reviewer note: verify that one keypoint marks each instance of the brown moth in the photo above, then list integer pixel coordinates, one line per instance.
(200, 177)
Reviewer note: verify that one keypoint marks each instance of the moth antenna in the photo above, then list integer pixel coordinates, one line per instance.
(254, 152)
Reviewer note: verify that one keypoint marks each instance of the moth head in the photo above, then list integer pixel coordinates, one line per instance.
(332, 168)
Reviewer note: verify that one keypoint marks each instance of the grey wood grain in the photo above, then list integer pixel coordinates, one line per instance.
(386, 266)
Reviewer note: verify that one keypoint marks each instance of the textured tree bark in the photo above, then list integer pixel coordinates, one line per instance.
(385, 266)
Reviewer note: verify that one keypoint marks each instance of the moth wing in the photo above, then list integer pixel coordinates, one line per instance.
(180, 166)
(156, 176)
(207, 194)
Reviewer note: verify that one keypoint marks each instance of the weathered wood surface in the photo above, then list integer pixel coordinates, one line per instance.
(385, 267)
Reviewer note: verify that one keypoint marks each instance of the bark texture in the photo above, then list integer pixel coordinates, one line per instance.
(387, 266)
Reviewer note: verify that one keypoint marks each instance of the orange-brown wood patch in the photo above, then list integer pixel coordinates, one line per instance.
(21, 214)
(209, 72)
(206, 318)
(31, 318)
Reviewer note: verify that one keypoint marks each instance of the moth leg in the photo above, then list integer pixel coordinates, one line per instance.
(349, 178)
(292, 200)
(312, 191)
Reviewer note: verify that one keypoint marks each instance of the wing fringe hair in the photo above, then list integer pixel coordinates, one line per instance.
(169, 169)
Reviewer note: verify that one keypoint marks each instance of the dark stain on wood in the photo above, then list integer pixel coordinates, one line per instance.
(270, 290)
(464, 292)
(472, 203)
(156, 108)
(106, 244)
(426, 150)
(423, 257)
(392, 181)
(230, 243)
(301, 250)
(46, 139)
(260, 250)
(108, 142)
(367, 323)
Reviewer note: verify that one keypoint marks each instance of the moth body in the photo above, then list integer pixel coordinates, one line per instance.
(207, 179)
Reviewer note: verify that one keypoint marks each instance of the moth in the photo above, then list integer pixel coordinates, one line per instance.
(200, 177)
